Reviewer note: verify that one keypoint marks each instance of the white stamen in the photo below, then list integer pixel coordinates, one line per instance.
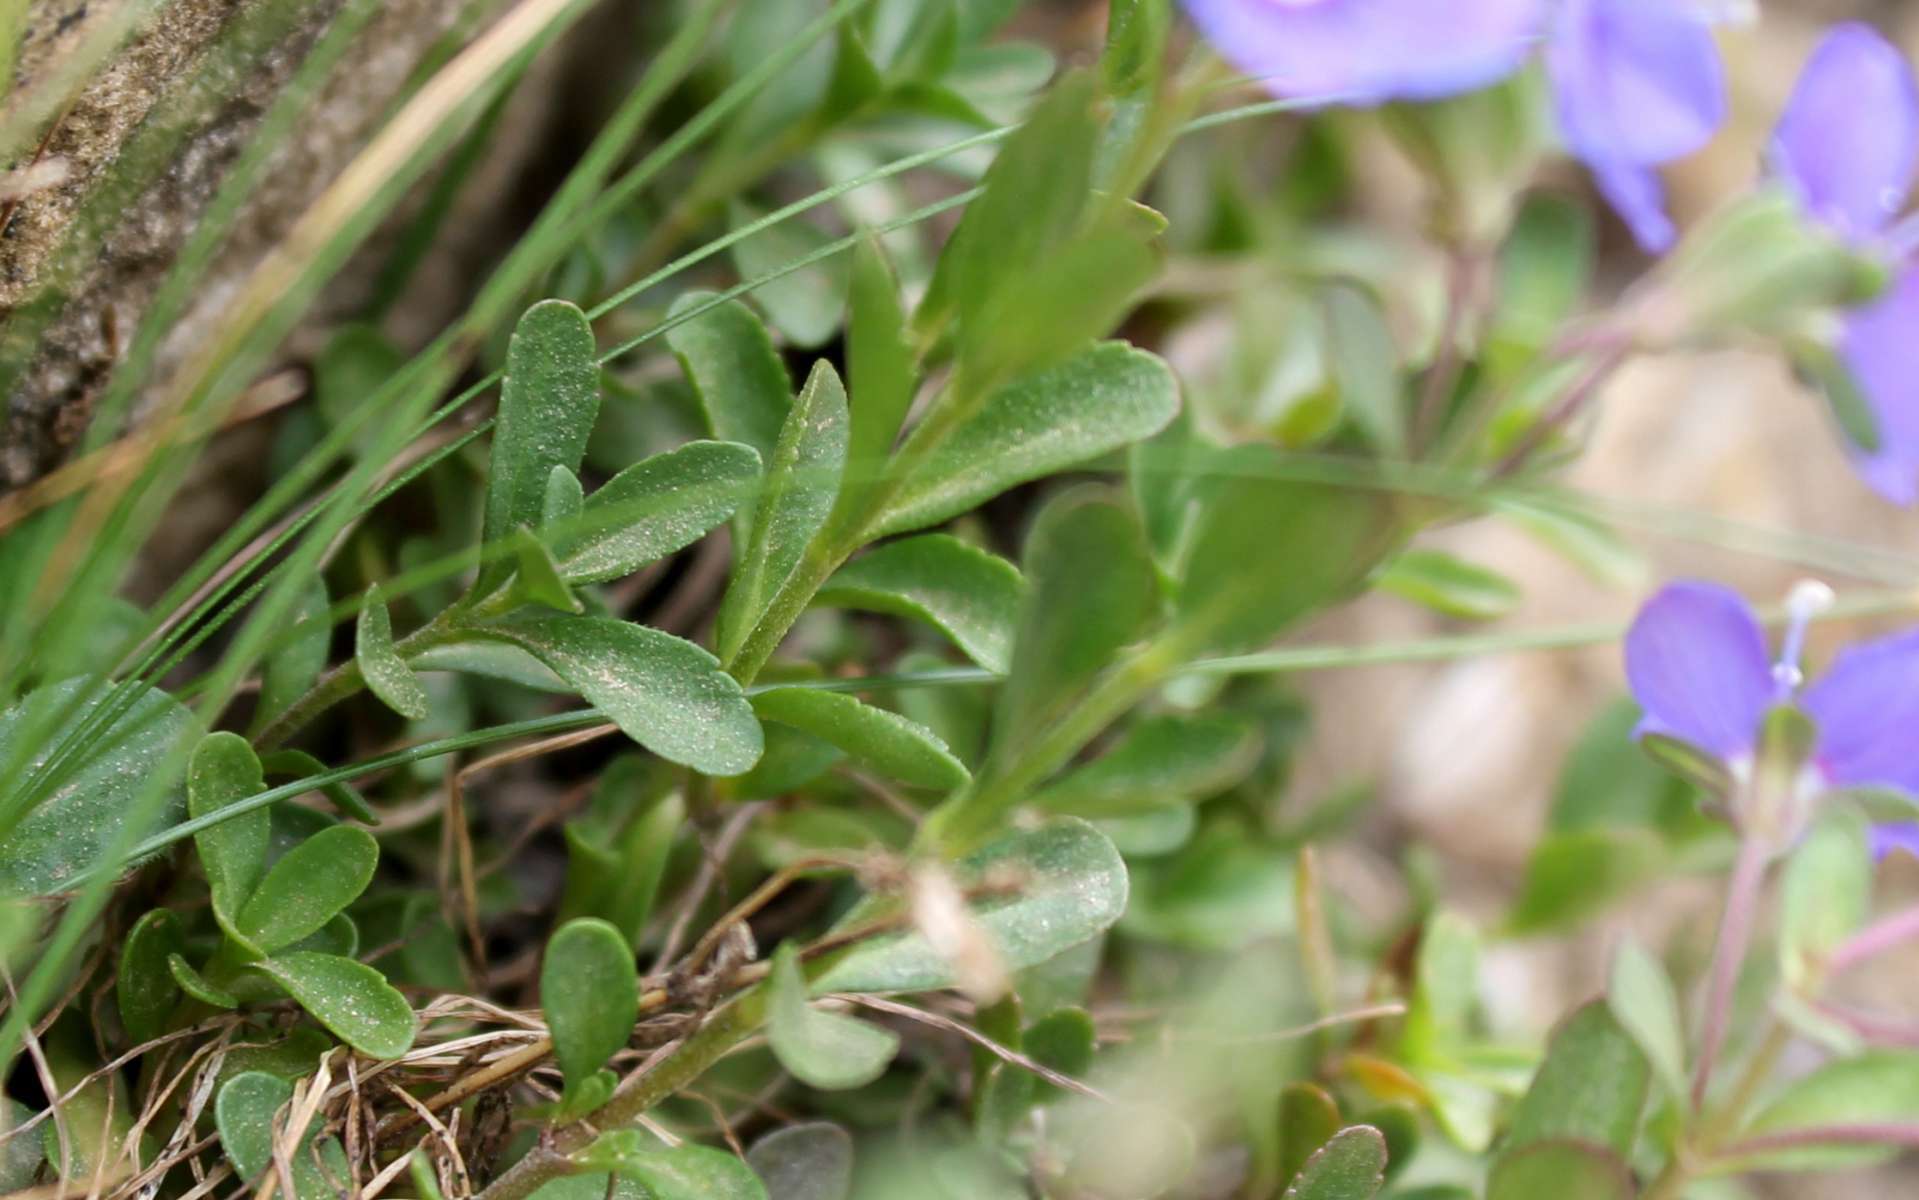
(1808, 598)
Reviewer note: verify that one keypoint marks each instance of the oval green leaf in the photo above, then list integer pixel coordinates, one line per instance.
(821, 1049)
(654, 508)
(84, 810)
(808, 1161)
(1071, 887)
(684, 1172)
(350, 998)
(1098, 401)
(590, 991)
(145, 989)
(802, 482)
(310, 885)
(663, 692)
(1350, 1166)
(387, 675)
(889, 743)
(735, 371)
(970, 595)
(548, 403)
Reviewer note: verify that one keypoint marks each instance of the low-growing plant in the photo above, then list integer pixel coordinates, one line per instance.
(813, 716)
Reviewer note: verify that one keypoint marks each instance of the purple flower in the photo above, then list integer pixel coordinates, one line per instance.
(1847, 147)
(1371, 51)
(1637, 83)
(1697, 661)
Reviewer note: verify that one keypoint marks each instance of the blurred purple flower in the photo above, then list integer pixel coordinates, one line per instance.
(1847, 147)
(1637, 83)
(1371, 51)
(1697, 661)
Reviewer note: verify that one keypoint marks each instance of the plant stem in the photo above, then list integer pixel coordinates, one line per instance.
(346, 680)
(1728, 954)
(1874, 940)
(721, 1033)
(958, 824)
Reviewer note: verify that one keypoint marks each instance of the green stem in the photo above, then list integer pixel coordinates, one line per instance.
(346, 679)
(641, 1093)
(961, 822)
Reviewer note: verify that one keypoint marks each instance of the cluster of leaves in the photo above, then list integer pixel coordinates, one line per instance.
(938, 872)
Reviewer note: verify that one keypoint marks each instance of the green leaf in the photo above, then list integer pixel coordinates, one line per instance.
(1089, 284)
(491, 660)
(1135, 44)
(590, 992)
(351, 999)
(809, 1161)
(1268, 550)
(1157, 761)
(1035, 195)
(664, 692)
(309, 886)
(1825, 896)
(387, 675)
(1601, 788)
(617, 877)
(1445, 987)
(233, 853)
(20, 1156)
(887, 742)
(197, 985)
(822, 1049)
(244, 1113)
(737, 375)
(1449, 586)
(85, 808)
(1544, 268)
(804, 305)
(298, 764)
(971, 596)
(145, 989)
(1583, 540)
(1091, 591)
(685, 1172)
(1400, 1125)
(1591, 1087)
(656, 507)
(1646, 1005)
(293, 666)
(1352, 1166)
(564, 499)
(537, 580)
(548, 403)
(802, 480)
(1364, 364)
(1877, 1087)
(1100, 400)
(1072, 886)
(1064, 1040)
(880, 372)
(1563, 1170)
(1308, 1119)
(1572, 876)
